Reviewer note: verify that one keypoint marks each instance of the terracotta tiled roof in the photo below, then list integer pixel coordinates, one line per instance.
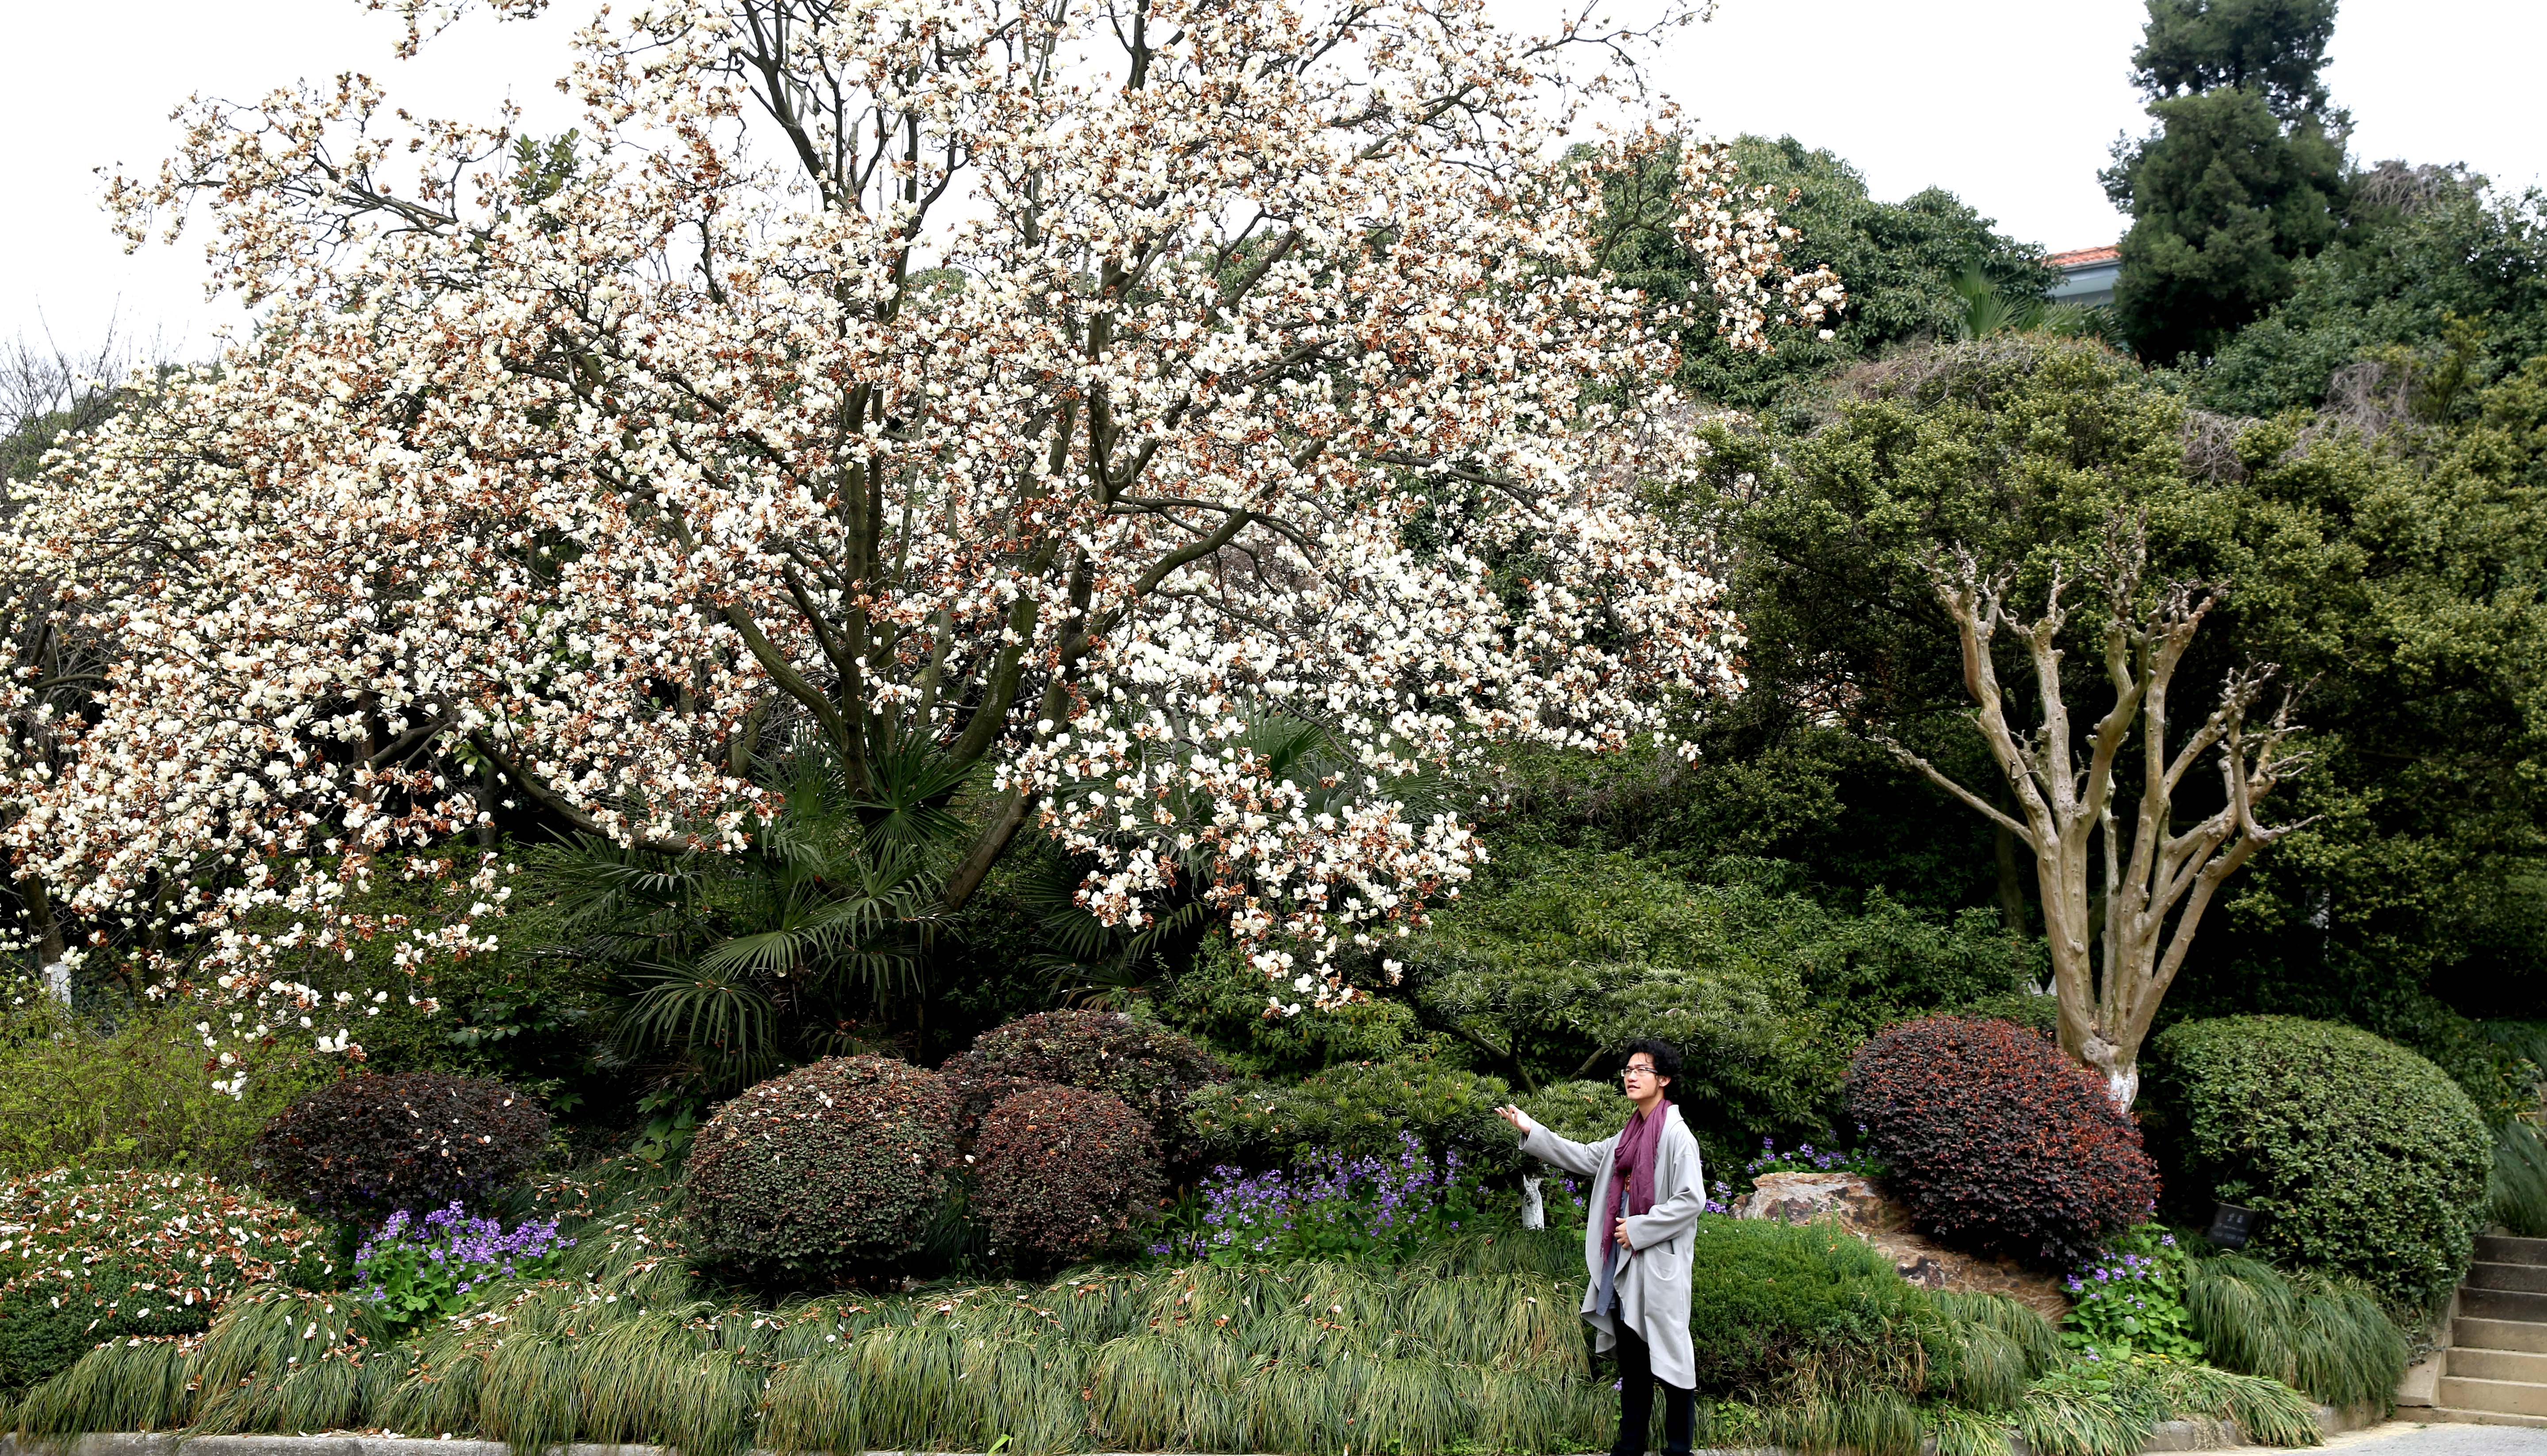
(2081, 257)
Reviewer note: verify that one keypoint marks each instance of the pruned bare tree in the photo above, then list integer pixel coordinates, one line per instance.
(2118, 933)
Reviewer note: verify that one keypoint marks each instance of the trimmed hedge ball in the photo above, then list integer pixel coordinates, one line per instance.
(834, 1169)
(1061, 1173)
(1152, 1069)
(366, 1146)
(1997, 1141)
(2366, 1158)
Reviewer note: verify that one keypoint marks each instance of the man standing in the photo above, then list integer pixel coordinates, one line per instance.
(1647, 1192)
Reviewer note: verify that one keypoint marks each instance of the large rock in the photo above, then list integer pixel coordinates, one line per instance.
(1860, 1207)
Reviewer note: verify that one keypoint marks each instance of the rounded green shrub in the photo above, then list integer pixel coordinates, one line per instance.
(2366, 1158)
(838, 1168)
(1062, 1173)
(1997, 1141)
(89, 1257)
(1779, 1310)
(366, 1146)
(1152, 1069)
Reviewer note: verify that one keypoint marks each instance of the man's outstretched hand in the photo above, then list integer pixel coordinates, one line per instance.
(1514, 1116)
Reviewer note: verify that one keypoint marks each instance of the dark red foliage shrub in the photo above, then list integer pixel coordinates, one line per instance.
(368, 1145)
(1997, 1141)
(1152, 1069)
(838, 1168)
(1061, 1173)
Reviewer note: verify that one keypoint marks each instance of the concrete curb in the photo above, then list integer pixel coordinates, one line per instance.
(2167, 1436)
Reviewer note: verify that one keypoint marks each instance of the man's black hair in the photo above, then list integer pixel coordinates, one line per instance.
(1666, 1059)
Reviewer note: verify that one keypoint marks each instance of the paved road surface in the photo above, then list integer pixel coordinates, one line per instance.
(2411, 1438)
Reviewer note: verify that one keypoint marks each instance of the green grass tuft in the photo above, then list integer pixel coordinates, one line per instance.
(2267, 1412)
(2516, 1193)
(1955, 1430)
(2067, 1414)
(2327, 1337)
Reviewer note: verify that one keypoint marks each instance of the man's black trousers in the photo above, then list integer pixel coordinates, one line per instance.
(1637, 1398)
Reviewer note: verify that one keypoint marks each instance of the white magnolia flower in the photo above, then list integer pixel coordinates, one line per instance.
(1122, 400)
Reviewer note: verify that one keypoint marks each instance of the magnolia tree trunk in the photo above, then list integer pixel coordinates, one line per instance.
(2111, 971)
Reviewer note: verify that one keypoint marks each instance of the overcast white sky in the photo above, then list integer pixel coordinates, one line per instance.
(2011, 104)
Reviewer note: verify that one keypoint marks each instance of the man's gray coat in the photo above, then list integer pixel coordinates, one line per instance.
(1653, 1287)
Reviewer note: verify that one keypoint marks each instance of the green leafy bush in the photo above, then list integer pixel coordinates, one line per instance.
(127, 1094)
(1062, 1174)
(2466, 253)
(1152, 1069)
(1901, 260)
(369, 1146)
(1997, 1141)
(1563, 955)
(2366, 1159)
(1357, 1110)
(87, 1258)
(829, 1169)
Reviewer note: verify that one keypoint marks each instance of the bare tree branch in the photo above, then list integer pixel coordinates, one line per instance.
(2154, 895)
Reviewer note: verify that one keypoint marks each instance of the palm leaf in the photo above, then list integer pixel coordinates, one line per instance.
(597, 881)
(698, 1006)
(905, 805)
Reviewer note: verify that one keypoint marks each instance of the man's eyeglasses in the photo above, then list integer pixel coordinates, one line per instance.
(1627, 1072)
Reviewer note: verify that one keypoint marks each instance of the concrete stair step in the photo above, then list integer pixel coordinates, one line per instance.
(2475, 1417)
(2483, 1364)
(2498, 1334)
(2502, 1304)
(2503, 1250)
(2494, 1274)
(2507, 1397)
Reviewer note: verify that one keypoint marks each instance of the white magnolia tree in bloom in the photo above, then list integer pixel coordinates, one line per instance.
(1027, 398)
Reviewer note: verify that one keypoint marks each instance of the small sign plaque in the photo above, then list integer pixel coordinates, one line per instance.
(2233, 1225)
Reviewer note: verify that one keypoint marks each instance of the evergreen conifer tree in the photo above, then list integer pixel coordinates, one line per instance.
(2245, 173)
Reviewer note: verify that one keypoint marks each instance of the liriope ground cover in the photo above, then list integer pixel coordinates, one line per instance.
(2326, 1337)
(1474, 1348)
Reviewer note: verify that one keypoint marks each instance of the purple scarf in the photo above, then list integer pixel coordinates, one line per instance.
(1632, 1181)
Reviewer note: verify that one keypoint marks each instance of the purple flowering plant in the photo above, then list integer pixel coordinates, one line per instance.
(1325, 1207)
(1565, 1202)
(2130, 1297)
(1804, 1157)
(422, 1269)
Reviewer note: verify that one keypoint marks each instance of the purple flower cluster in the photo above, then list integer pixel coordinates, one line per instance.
(2122, 1268)
(1806, 1158)
(1719, 1197)
(453, 1250)
(1327, 1207)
